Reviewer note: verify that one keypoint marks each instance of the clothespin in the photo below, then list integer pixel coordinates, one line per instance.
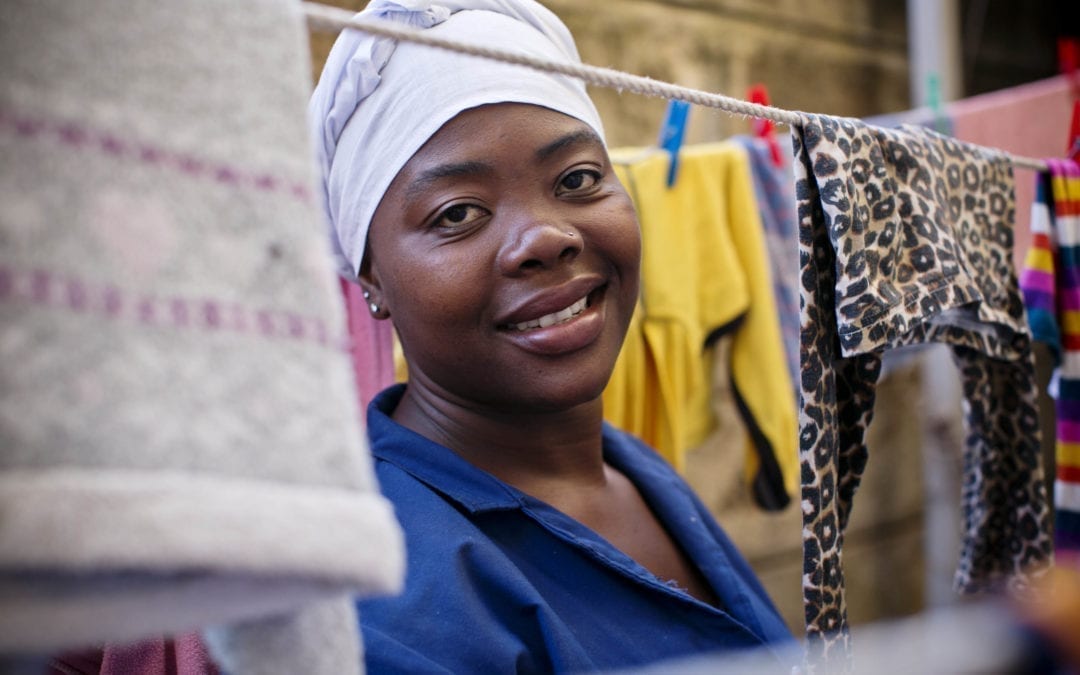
(1069, 64)
(933, 101)
(671, 135)
(1069, 61)
(765, 128)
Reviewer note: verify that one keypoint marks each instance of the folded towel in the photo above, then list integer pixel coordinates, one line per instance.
(180, 442)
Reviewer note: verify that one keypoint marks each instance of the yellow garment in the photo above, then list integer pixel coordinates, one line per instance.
(401, 367)
(705, 274)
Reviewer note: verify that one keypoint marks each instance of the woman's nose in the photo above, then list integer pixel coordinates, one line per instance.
(539, 245)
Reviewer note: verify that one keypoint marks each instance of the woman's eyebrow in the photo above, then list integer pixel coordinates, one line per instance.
(580, 137)
(430, 176)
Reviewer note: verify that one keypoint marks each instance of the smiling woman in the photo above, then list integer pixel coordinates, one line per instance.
(476, 205)
(522, 256)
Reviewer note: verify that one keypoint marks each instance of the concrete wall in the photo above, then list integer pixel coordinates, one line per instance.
(842, 57)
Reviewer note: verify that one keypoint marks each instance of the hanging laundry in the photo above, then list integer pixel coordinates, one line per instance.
(1051, 286)
(705, 274)
(905, 237)
(776, 206)
(180, 445)
(182, 655)
(1031, 119)
(371, 345)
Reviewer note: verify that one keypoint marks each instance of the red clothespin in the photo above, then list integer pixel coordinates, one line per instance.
(764, 128)
(1069, 64)
(1068, 49)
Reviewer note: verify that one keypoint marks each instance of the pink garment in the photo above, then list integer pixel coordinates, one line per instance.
(1030, 120)
(371, 345)
(182, 655)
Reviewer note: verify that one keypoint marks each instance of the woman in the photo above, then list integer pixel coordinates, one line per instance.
(476, 205)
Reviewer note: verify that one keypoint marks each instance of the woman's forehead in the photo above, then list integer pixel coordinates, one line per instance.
(504, 126)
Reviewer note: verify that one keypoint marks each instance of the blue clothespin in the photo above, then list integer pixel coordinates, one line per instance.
(671, 135)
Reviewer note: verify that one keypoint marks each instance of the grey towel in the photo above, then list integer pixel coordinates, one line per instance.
(180, 443)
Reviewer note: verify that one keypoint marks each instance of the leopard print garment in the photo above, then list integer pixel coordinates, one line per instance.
(906, 237)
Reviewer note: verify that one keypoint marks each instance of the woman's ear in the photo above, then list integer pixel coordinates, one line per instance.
(372, 290)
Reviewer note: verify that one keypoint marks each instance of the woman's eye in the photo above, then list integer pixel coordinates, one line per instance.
(577, 181)
(459, 214)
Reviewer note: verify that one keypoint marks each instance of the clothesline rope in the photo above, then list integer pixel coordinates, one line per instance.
(333, 19)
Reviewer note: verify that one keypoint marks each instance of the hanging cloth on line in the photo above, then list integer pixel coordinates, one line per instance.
(1051, 285)
(371, 345)
(1031, 119)
(906, 237)
(776, 206)
(705, 274)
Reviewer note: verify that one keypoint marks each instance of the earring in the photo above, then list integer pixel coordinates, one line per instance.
(367, 295)
(374, 308)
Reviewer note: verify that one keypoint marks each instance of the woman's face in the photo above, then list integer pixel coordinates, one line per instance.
(507, 253)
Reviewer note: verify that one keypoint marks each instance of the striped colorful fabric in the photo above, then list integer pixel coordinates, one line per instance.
(1051, 285)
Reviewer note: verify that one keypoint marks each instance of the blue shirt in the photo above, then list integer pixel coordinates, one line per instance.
(500, 582)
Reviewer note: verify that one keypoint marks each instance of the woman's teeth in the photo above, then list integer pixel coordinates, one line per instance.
(552, 319)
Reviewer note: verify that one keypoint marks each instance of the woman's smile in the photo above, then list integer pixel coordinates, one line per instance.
(562, 316)
(536, 328)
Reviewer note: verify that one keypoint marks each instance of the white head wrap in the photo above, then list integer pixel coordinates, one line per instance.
(378, 102)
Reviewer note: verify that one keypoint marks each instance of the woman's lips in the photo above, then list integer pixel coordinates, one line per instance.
(562, 335)
(551, 319)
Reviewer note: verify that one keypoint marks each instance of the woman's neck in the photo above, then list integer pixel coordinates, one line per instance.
(523, 448)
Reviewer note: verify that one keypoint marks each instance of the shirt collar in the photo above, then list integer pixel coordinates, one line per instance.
(437, 466)
(444, 471)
